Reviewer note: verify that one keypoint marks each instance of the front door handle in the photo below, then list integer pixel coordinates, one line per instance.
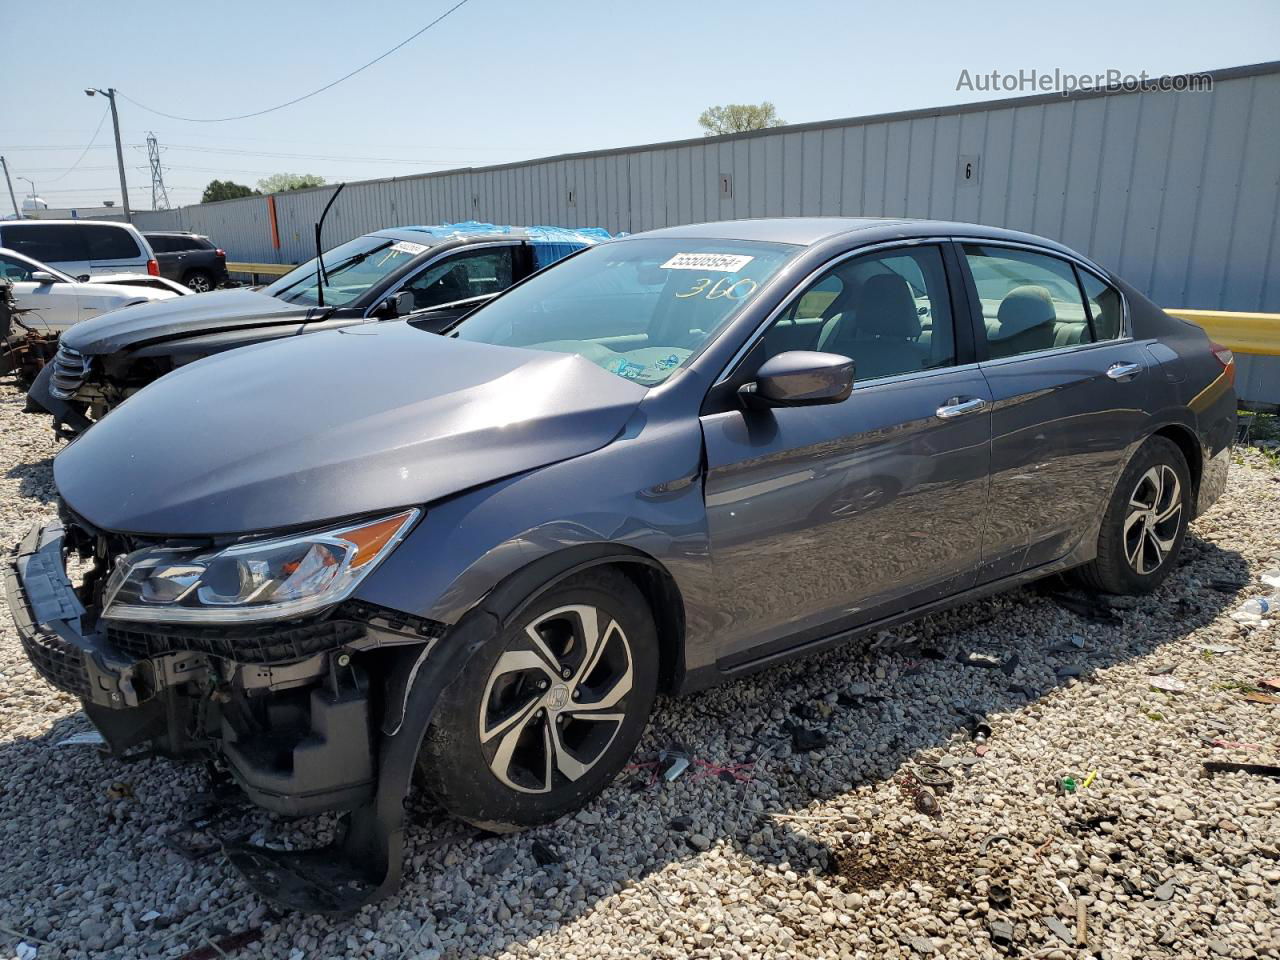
(1124, 371)
(960, 408)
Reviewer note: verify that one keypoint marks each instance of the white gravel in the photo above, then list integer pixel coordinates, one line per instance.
(819, 854)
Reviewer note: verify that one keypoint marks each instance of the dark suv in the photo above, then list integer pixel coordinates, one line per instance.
(190, 259)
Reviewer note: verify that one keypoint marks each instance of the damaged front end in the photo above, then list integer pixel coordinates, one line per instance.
(24, 351)
(306, 713)
(80, 389)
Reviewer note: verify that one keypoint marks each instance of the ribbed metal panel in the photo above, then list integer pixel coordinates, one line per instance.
(1179, 192)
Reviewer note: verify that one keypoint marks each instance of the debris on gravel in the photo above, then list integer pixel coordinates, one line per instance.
(797, 830)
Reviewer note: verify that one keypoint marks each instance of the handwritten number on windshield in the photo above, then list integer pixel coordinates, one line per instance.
(736, 290)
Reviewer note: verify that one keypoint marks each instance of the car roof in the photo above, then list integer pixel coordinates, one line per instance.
(42, 222)
(807, 231)
(171, 233)
(432, 235)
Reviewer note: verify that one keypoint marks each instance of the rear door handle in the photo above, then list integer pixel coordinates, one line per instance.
(1124, 371)
(960, 408)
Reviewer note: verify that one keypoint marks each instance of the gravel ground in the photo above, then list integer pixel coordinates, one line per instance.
(761, 849)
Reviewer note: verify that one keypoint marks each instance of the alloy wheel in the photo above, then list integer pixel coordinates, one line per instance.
(200, 283)
(556, 699)
(1154, 518)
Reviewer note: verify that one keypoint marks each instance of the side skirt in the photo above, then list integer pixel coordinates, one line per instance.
(709, 676)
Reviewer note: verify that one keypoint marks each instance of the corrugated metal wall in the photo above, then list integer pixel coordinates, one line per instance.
(1179, 192)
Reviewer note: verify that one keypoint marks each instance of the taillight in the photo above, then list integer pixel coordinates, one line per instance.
(153, 268)
(1226, 358)
(220, 253)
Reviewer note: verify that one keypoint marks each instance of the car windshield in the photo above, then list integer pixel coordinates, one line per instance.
(351, 269)
(639, 308)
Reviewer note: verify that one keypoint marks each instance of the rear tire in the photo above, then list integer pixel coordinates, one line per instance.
(1145, 523)
(199, 280)
(543, 717)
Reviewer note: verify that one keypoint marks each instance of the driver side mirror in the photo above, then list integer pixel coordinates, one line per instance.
(397, 305)
(43, 276)
(83, 278)
(800, 378)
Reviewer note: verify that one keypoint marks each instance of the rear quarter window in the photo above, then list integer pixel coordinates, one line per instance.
(110, 243)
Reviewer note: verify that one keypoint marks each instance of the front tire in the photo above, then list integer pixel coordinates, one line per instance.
(543, 717)
(1145, 523)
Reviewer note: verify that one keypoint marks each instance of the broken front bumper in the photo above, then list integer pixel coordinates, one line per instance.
(49, 615)
(317, 744)
(68, 415)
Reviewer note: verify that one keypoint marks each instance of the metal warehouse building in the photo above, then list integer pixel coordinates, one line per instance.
(1177, 191)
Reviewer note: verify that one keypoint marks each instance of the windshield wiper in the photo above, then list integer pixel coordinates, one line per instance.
(322, 277)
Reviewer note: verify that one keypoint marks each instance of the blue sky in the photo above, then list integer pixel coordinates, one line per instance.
(501, 80)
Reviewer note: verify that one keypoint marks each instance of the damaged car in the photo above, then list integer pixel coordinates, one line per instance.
(42, 303)
(430, 274)
(377, 560)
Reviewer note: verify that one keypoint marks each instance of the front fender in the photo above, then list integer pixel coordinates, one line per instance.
(641, 496)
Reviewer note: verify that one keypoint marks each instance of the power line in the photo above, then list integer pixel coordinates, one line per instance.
(96, 131)
(234, 151)
(305, 96)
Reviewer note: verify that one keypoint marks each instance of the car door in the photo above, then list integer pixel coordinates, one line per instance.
(60, 245)
(455, 284)
(113, 249)
(47, 307)
(826, 517)
(1069, 388)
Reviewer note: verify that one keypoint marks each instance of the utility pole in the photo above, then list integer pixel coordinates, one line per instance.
(110, 94)
(12, 199)
(159, 195)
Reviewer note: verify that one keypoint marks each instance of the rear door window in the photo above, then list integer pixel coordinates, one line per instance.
(1030, 301)
(546, 253)
(47, 242)
(110, 243)
(161, 244)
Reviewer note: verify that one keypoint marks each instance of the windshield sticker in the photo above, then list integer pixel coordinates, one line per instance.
(719, 262)
(409, 247)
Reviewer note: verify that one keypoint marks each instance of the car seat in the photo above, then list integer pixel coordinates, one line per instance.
(881, 335)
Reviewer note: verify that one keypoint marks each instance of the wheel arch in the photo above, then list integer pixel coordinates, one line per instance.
(518, 590)
(1185, 439)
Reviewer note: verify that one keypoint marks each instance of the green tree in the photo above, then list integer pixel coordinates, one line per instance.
(280, 182)
(739, 118)
(225, 190)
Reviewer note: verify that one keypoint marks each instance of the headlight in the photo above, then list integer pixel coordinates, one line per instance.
(251, 581)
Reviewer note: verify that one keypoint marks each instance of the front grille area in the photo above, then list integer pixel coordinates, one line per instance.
(70, 368)
(59, 662)
(266, 643)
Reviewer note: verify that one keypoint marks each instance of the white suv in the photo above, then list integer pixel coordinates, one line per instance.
(81, 247)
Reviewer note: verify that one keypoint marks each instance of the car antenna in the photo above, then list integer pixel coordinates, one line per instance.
(321, 277)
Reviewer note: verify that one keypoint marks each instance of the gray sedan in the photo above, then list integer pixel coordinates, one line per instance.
(330, 562)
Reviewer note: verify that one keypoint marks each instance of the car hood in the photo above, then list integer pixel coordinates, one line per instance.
(175, 316)
(354, 421)
(122, 291)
